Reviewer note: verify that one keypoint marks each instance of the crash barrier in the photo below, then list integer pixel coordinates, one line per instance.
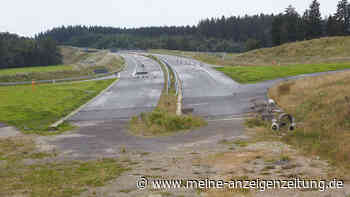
(279, 119)
(168, 75)
(89, 77)
(175, 75)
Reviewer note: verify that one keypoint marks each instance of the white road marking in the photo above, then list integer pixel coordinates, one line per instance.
(199, 104)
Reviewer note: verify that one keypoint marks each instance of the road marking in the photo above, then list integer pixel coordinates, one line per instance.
(198, 104)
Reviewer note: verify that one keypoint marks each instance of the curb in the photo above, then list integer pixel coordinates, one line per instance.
(59, 122)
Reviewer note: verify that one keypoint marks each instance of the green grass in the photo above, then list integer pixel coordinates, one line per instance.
(253, 74)
(53, 179)
(33, 110)
(35, 69)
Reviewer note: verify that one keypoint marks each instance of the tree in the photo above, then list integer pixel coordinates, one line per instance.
(312, 21)
(293, 27)
(276, 30)
(17, 51)
(252, 44)
(333, 27)
(343, 16)
(287, 27)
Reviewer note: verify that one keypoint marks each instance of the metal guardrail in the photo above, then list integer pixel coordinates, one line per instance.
(175, 75)
(168, 74)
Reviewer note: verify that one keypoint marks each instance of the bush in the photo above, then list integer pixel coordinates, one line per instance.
(161, 122)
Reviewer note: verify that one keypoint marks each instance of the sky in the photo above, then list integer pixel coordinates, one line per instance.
(29, 17)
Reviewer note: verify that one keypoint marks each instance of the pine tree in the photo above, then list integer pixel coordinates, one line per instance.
(333, 27)
(343, 16)
(292, 23)
(313, 21)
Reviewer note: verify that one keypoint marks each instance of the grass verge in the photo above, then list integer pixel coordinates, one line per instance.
(163, 120)
(253, 74)
(50, 179)
(32, 110)
(321, 106)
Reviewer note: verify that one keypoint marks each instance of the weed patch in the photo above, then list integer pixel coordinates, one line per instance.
(58, 179)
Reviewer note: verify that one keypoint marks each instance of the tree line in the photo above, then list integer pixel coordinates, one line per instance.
(233, 34)
(223, 34)
(16, 51)
(290, 26)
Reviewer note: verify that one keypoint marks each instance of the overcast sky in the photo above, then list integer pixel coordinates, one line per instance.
(28, 17)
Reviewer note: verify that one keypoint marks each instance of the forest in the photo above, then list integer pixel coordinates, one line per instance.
(16, 51)
(214, 35)
(223, 34)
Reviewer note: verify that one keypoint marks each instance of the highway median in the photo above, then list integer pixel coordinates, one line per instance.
(165, 118)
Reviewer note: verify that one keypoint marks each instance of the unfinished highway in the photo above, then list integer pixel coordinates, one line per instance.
(130, 96)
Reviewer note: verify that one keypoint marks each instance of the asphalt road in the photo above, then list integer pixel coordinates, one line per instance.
(103, 123)
(130, 96)
(212, 94)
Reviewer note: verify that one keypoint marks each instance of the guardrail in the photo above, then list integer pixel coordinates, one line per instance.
(160, 61)
(178, 87)
(175, 75)
(169, 81)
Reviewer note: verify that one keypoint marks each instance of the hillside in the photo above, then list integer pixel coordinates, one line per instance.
(322, 111)
(76, 62)
(312, 56)
(323, 50)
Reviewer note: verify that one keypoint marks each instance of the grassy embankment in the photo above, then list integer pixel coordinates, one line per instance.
(49, 179)
(318, 55)
(163, 120)
(76, 63)
(321, 106)
(33, 110)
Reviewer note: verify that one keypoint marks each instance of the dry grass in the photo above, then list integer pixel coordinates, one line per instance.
(88, 61)
(163, 120)
(49, 178)
(321, 107)
(324, 50)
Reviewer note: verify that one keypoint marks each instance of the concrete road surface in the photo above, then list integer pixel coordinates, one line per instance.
(103, 125)
(132, 94)
(211, 93)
